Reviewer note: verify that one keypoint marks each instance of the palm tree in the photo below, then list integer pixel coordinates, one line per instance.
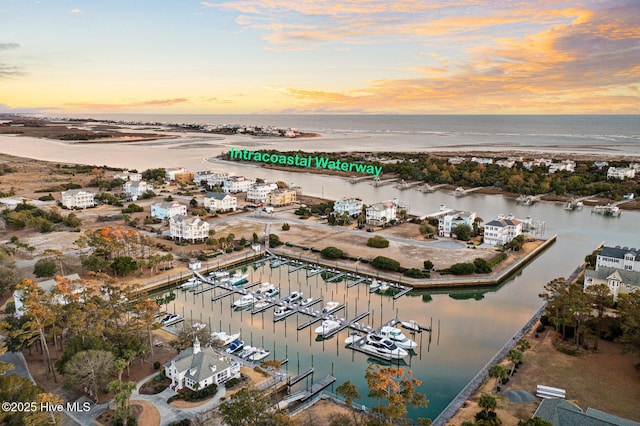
(515, 356)
(499, 372)
(523, 345)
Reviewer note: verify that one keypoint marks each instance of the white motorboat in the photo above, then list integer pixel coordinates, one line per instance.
(218, 275)
(293, 297)
(198, 326)
(397, 336)
(271, 292)
(247, 351)
(281, 311)
(190, 283)
(306, 301)
(375, 285)
(262, 303)
(354, 336)
(327, 327)
(264, 287)
(170, 319)
(225, 338)
(235, 346)
(411, 325)
(330, 307)
(385, 348)
(384, 286)
(244, 301)
(259, 354)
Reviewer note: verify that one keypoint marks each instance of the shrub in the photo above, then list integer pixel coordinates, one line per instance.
(286, 226)
(156, 365)
(133, 208)
(386, 263)
(416, 273)
(48, 197)
(428, 265)
(44, 268)
(497, 259)
(331, 253)
(274, 240)
(378, 242)
(481, 265)
(462, 268)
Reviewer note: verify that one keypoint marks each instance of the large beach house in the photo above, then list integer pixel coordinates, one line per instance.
(258, 192)
(136, 188)
(448, 222)
(188, 228)
(380, 214)
(196, 368)
(167, 209)
(281, 197)
(350, 205)
(220, 202)
(77, 199)
(502, 230)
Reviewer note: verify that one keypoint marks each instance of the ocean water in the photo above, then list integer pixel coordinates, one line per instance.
(614, 134)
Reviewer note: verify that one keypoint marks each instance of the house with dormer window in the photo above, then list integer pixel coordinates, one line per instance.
(196, 368)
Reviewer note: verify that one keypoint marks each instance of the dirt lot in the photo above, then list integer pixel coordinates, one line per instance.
(612, 384)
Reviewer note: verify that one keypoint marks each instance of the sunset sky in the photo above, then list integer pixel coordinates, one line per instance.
(321, 56)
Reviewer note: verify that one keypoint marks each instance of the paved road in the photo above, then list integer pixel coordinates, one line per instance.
(74, 253)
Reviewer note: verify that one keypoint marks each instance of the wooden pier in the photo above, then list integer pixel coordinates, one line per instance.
(378, 182)
(336, 277)
(356, 282)
(430, 188)
(293, 380)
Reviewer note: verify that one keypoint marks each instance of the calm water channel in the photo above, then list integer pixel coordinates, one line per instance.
(473, 324)
(470, 326)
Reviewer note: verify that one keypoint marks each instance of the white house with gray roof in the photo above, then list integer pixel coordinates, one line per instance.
(448, 222)
(618, 257)
(502, 230)
(619, 281)
(188, 228)
(196, 368)
(136, 188)
(77, 199)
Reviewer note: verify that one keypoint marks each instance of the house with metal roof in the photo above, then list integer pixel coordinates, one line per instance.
(560, 412)
(619, 257)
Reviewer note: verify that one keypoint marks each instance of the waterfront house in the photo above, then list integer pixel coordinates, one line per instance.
(77, 199)
(235, 184)
(220, 202)
(202, 176)
(350, 205)
(196, 368)
(502, 230)
(134, 189)
(618, 280)
(560, 412)
(46, 286)
(167, 209)
(538, 162)
(281, 197)
(618, 257)
(171, 172)
(217, 179)
(188, 228)
(600, 164)
(508, 163)
(621, 173)
(448, 222)
(257, 193)
(456, 160)
(127, 175)
(564, 165)
(482, 160)
(380, 214)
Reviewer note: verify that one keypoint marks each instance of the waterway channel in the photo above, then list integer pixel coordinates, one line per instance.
(469, 326)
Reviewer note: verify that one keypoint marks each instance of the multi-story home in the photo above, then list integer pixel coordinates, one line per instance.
(381, 213)
(217, 179)
(257, 193)
(619, 281)
(77, 199)
(196, 368)
(564, 165)
(502, 230)
(188, 228)
(127, 175)
(621, 173)
(538, 162)
(352, 206)
(202, 176)
(281, 197)
(171, 172)
(234, 184)
(448, 222)
(136, 188)
(456, 160)
(508, 163)
(624, 258)
(482, 160)
(220, 202)
(167, 209)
